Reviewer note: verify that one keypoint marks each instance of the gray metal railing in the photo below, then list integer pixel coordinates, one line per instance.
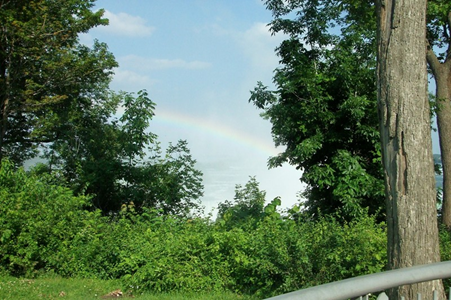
(363, 285)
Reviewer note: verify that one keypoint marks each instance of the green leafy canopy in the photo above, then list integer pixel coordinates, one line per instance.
(323, 109)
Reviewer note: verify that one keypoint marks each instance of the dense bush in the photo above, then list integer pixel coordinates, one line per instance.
(45, 228)
(37, 220)
(165, 254)
(285, 255)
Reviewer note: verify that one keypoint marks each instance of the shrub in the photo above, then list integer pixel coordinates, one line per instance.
(169, 253)
(282, 255)
(37, 220)
(279, 255)
(44, 227)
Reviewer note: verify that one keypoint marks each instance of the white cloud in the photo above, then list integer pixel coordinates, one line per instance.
(176, 63)
(126, 25)
(258, 44)
(130, 81)
(143, 63)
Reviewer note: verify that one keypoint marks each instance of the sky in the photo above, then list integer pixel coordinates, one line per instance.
(199, 60)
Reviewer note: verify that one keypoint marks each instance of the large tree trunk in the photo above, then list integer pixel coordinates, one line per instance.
(442, 76)
(406, 141)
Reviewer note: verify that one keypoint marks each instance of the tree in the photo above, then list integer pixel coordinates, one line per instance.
(247, 206)
(406, 143)
(43, 69)
(324, 107)
(314, 20)
(439, 39)
(55, 98)
(107, 157)
(171, 183)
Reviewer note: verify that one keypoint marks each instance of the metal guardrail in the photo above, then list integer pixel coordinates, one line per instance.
(363, 285)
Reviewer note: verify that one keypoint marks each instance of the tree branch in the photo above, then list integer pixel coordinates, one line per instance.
(432, 60)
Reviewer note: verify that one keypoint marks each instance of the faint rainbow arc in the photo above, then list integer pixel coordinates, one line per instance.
(216, 129)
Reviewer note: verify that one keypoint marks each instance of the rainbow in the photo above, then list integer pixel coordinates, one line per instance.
(216, 129)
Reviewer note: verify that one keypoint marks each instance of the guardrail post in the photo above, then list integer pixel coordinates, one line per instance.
(435, 295)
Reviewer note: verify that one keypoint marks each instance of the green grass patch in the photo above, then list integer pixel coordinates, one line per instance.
(59, 288)
(55, 288)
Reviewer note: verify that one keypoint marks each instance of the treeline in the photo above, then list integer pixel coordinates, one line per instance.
(45, 228)
(251, 248)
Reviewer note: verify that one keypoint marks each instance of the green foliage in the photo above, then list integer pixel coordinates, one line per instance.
(136, 119)
(41, 63)
(324, 105)
(44, 228)
(94, 153)
(37, 219)
(278, 256)
(56, 99)
(314, 22)
(324, 112)
(282, 255)
(106, 157)
(246, 208)
(445, 249)
(438, 26)
(341, 249)
(173, 255)
(175, 185)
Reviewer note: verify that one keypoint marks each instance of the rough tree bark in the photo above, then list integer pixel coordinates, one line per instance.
(442, 76)
(406, 141)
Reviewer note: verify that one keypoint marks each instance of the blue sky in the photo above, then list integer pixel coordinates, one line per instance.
(198, 60)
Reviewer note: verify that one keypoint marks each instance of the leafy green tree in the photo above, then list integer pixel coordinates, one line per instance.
(329, 23)
(324, 107)
(44, 72)
(96, 151)
(55, 98)
(401, 90)
(313, 22)
(106, 156)
(169, 183)
(247, 206)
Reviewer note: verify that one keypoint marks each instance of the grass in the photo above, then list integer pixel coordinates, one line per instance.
(59, 288)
